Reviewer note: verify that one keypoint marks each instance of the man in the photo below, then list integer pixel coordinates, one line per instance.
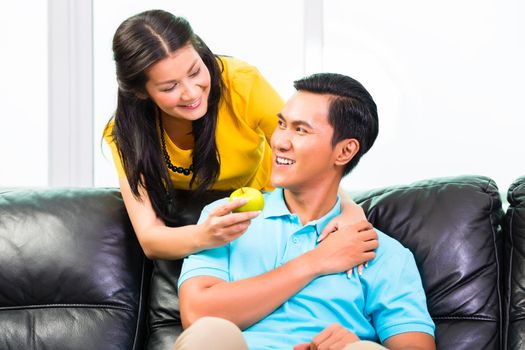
(277, 282)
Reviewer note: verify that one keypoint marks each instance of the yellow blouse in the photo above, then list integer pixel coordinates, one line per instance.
(246, 120)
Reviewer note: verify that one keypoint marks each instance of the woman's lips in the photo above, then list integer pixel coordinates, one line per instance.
(192, 105)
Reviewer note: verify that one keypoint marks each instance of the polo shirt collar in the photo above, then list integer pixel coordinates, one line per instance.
(275, 206)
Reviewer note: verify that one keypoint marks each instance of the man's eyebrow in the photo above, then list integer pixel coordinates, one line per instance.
(175, 81)
(295, 122)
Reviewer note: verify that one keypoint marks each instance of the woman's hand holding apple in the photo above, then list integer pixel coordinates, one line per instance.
(254, 197)
(223, 225)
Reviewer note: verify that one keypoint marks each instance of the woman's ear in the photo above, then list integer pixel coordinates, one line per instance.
(141, 95)
(346, 150)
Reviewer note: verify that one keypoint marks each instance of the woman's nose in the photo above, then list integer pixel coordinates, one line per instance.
(190, 92)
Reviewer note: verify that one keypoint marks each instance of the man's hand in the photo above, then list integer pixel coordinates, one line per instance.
(222, 226)
(344, 249)
(333, 337)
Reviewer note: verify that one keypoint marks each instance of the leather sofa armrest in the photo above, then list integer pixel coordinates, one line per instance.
(515, 266)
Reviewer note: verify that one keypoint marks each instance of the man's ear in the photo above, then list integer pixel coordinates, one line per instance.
(346, 150)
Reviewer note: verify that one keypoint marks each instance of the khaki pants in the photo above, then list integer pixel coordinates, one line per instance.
(219, 334)
(211, 333)
(364, 345)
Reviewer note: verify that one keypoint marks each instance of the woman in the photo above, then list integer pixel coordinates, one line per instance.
(187, 119)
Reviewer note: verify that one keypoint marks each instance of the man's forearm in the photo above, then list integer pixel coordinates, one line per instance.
(247, 301)
(411, 341)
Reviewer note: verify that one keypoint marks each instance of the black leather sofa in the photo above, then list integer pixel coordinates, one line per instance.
(73, 276)
(514, 267)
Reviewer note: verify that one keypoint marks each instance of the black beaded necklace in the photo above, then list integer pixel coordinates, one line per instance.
(169, 164)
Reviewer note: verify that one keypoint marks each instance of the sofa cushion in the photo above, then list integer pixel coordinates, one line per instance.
(73, 275)
(164, 318)
(452, 226)
(515, 272)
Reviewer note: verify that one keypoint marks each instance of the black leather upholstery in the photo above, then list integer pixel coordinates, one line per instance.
(452, 227)
(165, 324)
(72, 275)
(515, 271)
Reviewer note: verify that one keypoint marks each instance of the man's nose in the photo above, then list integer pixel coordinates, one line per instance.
(281, 140)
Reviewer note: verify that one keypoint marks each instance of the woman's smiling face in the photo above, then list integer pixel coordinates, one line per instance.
(180, 84)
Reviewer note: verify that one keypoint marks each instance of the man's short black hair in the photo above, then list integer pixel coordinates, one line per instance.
(352, 112)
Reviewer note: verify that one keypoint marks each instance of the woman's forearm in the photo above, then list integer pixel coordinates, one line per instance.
(169, 243)
(350, 211)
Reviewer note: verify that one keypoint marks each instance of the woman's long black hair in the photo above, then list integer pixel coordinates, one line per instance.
(139, 42)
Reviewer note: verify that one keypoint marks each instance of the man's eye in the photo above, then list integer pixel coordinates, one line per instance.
(301, 130)
(280, 123)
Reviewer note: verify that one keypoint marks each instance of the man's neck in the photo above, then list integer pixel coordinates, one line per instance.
(311, 202)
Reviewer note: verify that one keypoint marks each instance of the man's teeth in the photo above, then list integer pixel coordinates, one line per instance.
(281, 160)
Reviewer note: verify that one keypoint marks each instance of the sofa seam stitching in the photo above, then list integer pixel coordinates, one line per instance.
(509, 277)
(476, 318)
(60, 306)
(405, 187)
(498, 265)
(139, 311)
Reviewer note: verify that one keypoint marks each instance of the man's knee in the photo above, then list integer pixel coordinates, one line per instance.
(364, 345)
(211, 333)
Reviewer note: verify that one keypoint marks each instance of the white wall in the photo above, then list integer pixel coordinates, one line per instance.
(23, 93)
(448, 80)
(447, 77)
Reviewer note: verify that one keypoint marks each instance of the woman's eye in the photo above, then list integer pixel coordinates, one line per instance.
(168, 88)
(194, 74)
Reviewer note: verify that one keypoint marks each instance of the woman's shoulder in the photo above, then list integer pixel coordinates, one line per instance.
(236, 73)
(108, 131)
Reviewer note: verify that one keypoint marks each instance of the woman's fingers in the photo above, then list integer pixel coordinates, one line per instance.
(237, 218)
(326, 231)
(228, 207)
(223, 217)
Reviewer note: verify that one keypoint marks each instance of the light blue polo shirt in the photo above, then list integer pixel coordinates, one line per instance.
(387, 299)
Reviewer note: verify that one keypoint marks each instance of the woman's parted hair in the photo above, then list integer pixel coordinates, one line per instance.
(139, 42)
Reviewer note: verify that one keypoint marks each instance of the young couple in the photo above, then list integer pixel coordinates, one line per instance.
(186, 117)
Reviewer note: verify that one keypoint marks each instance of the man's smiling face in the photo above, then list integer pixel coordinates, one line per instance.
(302, 142)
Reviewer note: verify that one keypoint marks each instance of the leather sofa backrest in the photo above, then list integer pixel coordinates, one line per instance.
(72, 274)
(452, 226)
(515, 262)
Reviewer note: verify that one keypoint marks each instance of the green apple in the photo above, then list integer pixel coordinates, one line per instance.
(254, 196)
